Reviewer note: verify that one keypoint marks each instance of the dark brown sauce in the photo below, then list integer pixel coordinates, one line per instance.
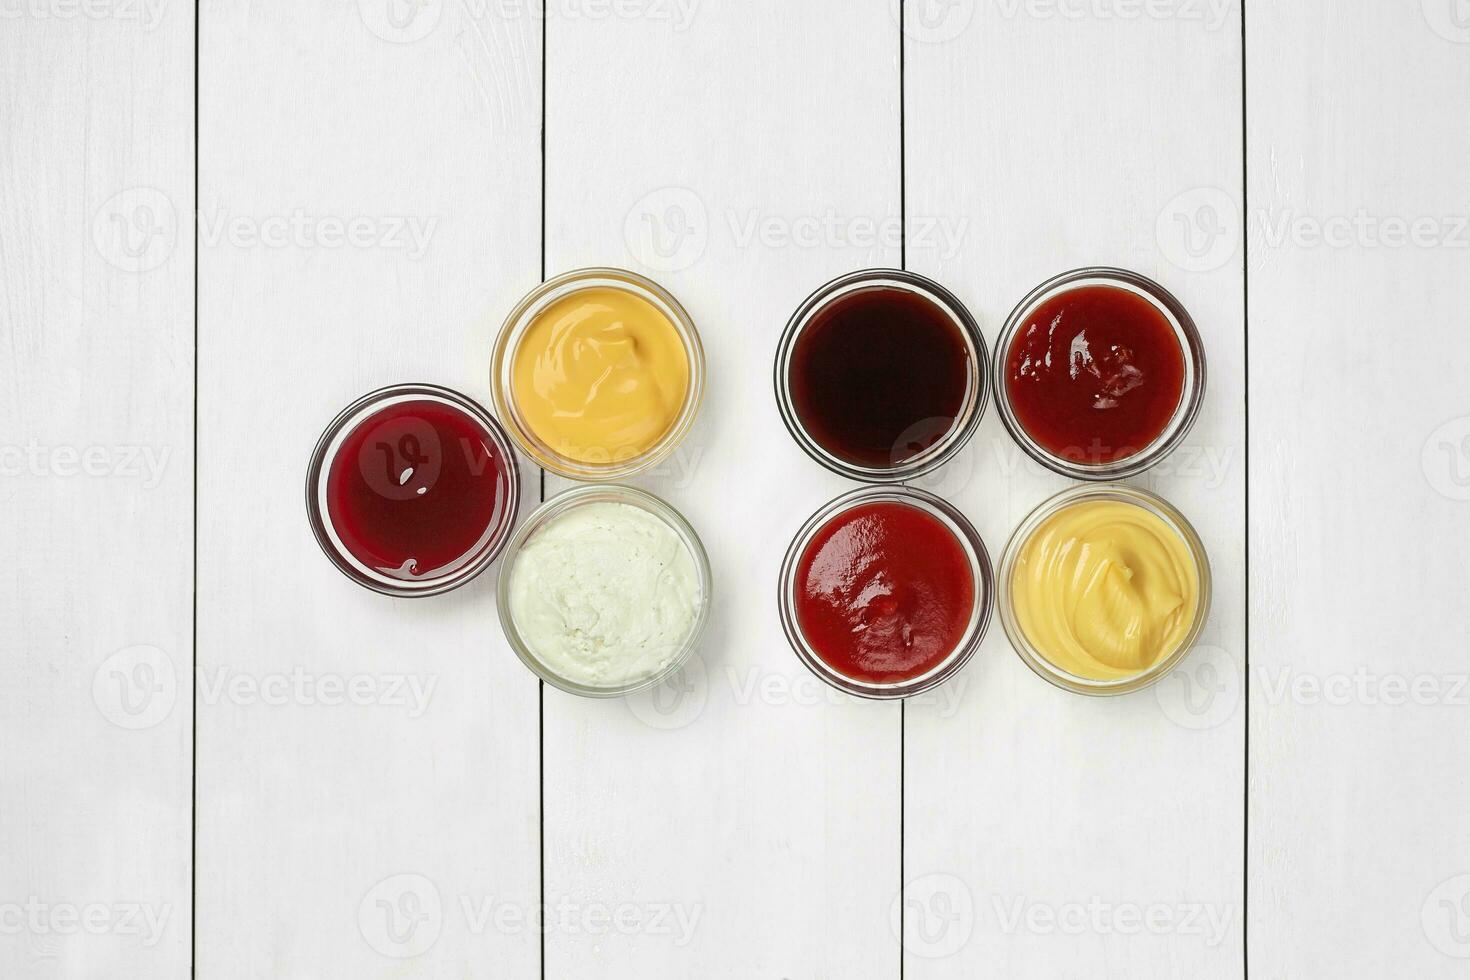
(879, 375)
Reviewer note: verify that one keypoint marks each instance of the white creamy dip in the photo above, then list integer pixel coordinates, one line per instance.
(605, 594)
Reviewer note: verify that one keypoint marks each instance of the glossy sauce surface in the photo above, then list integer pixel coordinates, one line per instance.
(600, 375)
(884, 592)
(416, 488)
(879, 375)
(1105, 589)
(1095, 374)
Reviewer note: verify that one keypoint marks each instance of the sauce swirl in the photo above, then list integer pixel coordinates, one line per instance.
(600, 375)
(1095, 374)
(884, 592)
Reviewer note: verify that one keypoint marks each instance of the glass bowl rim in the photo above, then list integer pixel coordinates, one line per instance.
(513, 329)
(1123, 493)
(959, 433)
(980, 565)
(1191, 400)
(329, 442)
(577, 496)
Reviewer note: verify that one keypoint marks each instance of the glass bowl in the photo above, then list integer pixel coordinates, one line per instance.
(1037, 660)
(473, 562)
(1191, 397)
(617, 465)
(959, 432)
(980, 569)
(559, 505)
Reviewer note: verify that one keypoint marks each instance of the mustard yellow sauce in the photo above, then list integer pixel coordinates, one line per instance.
(600, 375)
(1105, 589)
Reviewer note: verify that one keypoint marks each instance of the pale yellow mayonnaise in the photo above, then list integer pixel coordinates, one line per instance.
(1105, 589)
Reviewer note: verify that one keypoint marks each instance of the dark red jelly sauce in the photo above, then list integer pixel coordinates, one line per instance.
(884, 592)
(417, 489)
(1095, 374)
(879, 375)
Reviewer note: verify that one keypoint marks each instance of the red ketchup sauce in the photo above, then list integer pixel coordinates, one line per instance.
(884, 592)
(878, 375)
(416, 488)
(1095, 374)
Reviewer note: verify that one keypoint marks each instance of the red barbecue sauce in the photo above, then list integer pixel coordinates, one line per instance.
(1095, 374)
(884, 592)
(416, 488)
(878, 375)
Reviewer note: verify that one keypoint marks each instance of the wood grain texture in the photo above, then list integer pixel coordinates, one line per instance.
(716, 154)
(393, 832)
(369, 769)
(96, 397)
(1049, 834)
(1360, 484)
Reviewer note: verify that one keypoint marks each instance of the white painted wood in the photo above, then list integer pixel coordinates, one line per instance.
(1044, 829)
(741, 154)
(387, 838)
(710, 153)
(96, 396)
(1360, 489)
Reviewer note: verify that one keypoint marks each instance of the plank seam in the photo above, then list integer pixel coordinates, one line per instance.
(194, 563)
(541, 684)
(1245, 280)
(903, 262)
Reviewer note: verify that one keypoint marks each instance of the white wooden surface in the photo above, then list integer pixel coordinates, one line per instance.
(96, 402)
(1360, 489)
(336, 839)
(380, 789)
(1060, 822)
(764, 812)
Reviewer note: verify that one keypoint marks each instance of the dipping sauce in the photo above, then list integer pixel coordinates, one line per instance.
(604, 595)
(600, 375)
(884, 592)
(879, 375)
(1095, 373)
(1105, 589)
(418, 489)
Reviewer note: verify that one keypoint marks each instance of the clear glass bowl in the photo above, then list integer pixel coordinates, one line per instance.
(476, 561)
(616, 467)
(980, 569)
(1037, 660)
(964, 424)
(1185, 412)
(577, 497)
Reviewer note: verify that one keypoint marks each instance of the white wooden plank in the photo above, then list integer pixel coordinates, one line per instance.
(1049, 834)
(1360, 488)
(739, 154)
(96, 402)
(399, 836)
